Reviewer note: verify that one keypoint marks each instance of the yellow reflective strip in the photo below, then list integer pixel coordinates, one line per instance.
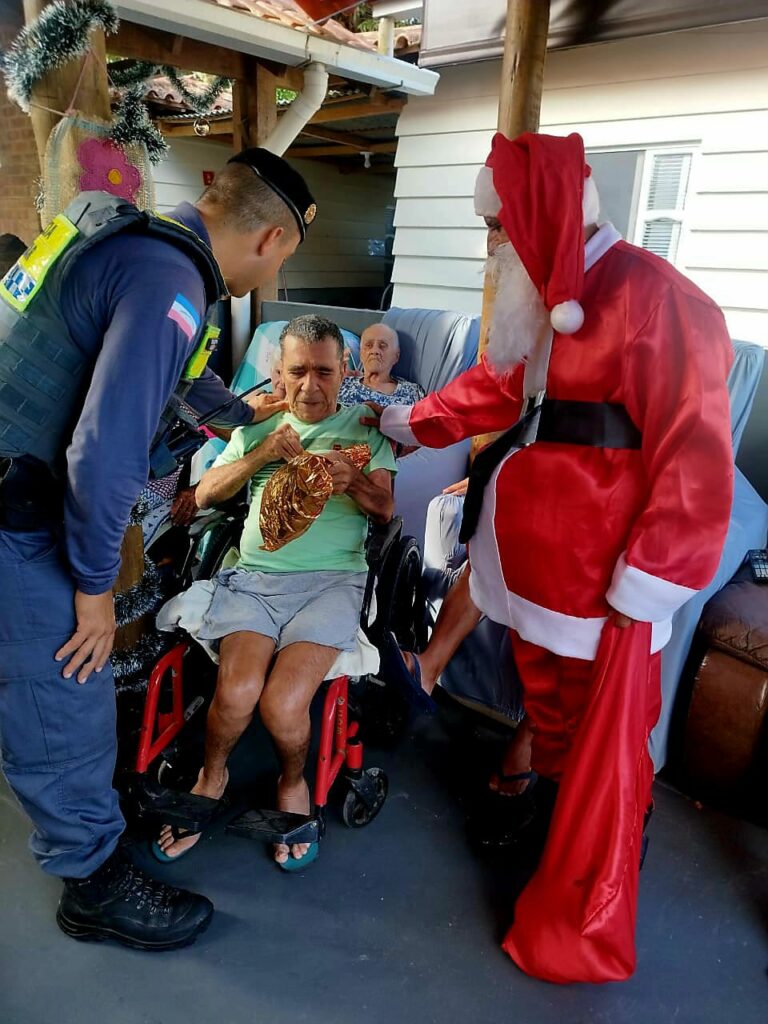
(24, 279)
(198, 361)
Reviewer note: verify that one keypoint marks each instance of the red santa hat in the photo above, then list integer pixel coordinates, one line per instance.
(540, 188)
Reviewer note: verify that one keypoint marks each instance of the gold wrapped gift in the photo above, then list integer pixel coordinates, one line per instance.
(296, 493)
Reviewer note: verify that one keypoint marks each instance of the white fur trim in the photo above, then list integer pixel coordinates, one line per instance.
(567, 635)
(590, 204)
(566, 317)
(394, 424)
(487, 202)
(598, 245)
(645, 597)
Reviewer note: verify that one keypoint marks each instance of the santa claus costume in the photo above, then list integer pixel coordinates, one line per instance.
(614, 496)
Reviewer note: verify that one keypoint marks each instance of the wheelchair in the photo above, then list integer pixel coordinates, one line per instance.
(182, 682)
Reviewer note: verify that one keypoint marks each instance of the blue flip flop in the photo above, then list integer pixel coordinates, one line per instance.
(394, 670)
(299, 863)
(160, 855)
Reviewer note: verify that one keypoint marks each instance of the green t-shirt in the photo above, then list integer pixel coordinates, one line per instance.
(336, 540)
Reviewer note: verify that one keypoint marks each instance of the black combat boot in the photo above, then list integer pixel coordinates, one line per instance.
(120, 901)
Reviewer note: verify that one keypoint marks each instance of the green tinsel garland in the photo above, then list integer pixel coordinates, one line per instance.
(132, 73)
(132, 124)
(61, 34)
(202, 103)
(140, 70)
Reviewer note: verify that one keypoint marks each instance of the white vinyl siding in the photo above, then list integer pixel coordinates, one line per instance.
(702, 92)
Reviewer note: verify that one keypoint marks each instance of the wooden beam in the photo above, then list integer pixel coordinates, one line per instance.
(254, 117)
(522, 82)
(358, 142)
(309, 152)
(139, 43)
(186, 129)
(522, 71)
(355, 109)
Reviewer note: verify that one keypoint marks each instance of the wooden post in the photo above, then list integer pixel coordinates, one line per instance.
(522, 81)
(57, 89)
(254, 118)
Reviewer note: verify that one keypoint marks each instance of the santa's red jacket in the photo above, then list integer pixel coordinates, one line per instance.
(568, 531)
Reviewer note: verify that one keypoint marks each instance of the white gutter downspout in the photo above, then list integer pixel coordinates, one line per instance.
(301, 111)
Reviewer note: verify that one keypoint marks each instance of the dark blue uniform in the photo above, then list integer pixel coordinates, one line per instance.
(133, 303)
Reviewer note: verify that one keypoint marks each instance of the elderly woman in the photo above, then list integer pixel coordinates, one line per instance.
(379, 351)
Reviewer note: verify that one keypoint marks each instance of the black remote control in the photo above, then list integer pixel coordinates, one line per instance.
(758, 563)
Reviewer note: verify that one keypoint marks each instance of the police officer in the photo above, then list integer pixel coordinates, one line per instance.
(101, 320)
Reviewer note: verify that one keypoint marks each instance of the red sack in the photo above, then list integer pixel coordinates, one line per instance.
(575, 920)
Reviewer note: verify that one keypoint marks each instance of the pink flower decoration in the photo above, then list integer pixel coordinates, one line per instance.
(106, 169)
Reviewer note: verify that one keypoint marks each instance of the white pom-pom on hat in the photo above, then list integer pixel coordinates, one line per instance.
(567, 317)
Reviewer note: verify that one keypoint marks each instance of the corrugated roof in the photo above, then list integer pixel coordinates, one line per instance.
(291, 15)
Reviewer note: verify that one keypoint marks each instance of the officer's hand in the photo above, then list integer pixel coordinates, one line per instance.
(283, 443)
(265, 405)
(372, 421)
(92, 642)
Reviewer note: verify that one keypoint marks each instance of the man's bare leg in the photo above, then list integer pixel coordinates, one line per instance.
(295, 679)
(457, 618)
(245, 658)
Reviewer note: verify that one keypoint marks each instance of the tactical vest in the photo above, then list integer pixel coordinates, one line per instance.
(44, 375)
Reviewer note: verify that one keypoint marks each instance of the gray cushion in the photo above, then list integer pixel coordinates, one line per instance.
(435, 346)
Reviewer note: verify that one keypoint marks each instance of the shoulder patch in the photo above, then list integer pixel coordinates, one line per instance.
(185, 316)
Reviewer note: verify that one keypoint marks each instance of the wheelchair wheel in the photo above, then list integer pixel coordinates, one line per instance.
(400, 596)
(355, 812)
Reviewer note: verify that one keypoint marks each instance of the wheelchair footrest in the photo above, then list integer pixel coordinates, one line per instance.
(276, 827)
(172, 806)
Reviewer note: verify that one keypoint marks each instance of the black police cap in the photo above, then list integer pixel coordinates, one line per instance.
(284, 180)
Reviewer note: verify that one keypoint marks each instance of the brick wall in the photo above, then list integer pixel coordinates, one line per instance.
(19, 166)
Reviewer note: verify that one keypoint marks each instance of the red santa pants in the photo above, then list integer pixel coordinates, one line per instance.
(555, 690)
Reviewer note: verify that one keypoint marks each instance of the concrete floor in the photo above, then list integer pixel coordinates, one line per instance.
(397, 922)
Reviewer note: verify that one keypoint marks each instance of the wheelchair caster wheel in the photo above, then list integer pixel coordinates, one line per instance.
(365, 798)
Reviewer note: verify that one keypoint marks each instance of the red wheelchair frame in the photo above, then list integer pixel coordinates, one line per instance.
(340, 744)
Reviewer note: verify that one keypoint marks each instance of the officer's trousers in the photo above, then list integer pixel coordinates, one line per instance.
(57, 737)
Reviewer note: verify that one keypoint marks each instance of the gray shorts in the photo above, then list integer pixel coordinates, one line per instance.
(289, 607)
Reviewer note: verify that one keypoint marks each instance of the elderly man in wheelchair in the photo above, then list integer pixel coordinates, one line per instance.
(281, 618)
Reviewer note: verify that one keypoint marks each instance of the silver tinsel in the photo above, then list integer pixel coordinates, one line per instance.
(140, 599)
(131, 668)
(61, 34)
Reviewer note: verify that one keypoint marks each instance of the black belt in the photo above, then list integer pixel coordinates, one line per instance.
(559, 421)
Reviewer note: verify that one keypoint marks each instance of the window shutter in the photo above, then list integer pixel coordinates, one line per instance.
(661, 237)
(669, 181)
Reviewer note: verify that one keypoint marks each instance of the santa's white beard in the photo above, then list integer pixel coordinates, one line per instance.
(520, 317)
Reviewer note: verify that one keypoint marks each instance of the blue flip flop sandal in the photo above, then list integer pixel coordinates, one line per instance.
(178, 833)
(299, 863)
(394, 670)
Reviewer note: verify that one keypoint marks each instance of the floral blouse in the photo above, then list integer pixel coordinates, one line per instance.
(354, 391)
